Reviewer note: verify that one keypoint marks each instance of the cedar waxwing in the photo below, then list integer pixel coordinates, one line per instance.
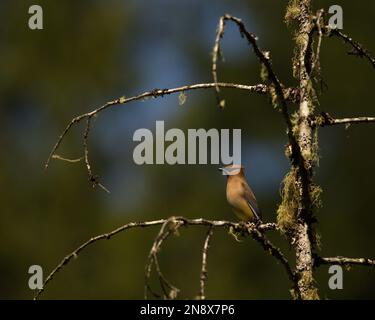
(239, 194)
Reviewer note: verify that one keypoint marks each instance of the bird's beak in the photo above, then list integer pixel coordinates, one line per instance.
(223, 171)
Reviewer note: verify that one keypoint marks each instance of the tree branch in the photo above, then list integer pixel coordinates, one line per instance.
(203, 276)
(291, 93)
(260, 88)
(325, 119)
(276, 252)
(170, 226)
(300, 148)
(358, 49)
(344, 261)
(94, 179)
(180, 221)
(302, 233)
(316, 62)
(276, 88)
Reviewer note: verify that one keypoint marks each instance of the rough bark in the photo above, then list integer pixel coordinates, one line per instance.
(302, 229)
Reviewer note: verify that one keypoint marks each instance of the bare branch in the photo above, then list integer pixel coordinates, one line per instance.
(264, 57)
(260, 88)
(358, 49)
(181, 220)
(58, 157)
(344, 261)
(276, 252)
(291, 93)
(353, 120)
(304, 260)
(316, 62)
(324, 119)
(61, 137)
(215, 56)
(203, 276)
(170, 226)
(85, 145)
(276, 85)
(94, 179)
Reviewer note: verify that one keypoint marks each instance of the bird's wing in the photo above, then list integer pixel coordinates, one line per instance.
(252, 202)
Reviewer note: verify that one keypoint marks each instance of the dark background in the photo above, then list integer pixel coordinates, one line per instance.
(94, 51)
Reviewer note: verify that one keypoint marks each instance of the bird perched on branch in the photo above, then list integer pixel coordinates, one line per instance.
(239, 194)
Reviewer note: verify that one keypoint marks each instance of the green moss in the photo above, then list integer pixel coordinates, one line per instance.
(315, 192)
(307, 281)
(182, 98)
(264, 75)
(301, 39)
(263, 72)
(290, 197)
(316, 203)
(292, 12)
(286, 213)
(315, 147)
(313, 95)
(294, 119)
(318, 240)
(294, 294)
(222, 104)
(274, 97)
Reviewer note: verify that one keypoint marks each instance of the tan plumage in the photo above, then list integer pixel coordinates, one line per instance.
(239, 194)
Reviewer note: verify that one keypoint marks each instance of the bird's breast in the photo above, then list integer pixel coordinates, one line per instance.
(236, 198)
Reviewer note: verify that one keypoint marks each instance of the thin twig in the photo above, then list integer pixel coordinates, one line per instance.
(265, 59)
(106, 236)
(170, 226)
(324, 119)
(86, 149)
(203, 276)
(316, 62)
(58, 157)
(260, 88)
(358, 49)
(344, 261)
(215, 56)
(94, 179)
(353, 120)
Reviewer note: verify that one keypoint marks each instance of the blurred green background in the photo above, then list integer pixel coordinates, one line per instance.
(94, 51)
